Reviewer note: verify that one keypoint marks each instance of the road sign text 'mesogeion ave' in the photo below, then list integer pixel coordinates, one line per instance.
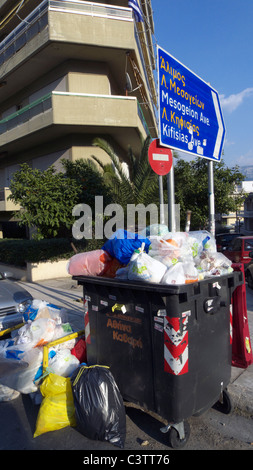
(190, 117)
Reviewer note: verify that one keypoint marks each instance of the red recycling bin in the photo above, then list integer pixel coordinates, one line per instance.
(241, 345)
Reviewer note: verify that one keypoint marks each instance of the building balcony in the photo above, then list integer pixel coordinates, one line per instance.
(56, 31)
(60, 113)
(5, 203)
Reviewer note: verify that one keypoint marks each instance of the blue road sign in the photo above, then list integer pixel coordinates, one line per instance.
(190, 117)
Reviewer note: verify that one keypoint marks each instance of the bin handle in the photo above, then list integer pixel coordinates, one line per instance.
(121, 307)
(212, 304)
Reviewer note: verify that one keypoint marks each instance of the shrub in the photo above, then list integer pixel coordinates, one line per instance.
(19, 252)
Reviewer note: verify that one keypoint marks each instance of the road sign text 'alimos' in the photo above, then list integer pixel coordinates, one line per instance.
(190, 117)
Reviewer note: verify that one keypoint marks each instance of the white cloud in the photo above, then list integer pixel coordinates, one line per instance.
(228, 142)
(246, 159)
(230, 103)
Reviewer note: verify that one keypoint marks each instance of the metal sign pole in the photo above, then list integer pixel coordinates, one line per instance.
(161, 160)
(211, 198)
(171, 200)
(161, 199)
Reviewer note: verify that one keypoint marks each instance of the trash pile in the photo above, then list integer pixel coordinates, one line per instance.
(21, 356)
(69, 392)
(154, 255)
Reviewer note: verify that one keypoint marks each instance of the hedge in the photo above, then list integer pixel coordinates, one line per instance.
(18, 252)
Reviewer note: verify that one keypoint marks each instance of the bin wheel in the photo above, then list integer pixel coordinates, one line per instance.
(174, 438)
(224, 404)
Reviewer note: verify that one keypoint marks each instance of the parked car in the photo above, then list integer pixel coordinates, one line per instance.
(14, 300)
(223, 240)
(249, 275)
(240, 250)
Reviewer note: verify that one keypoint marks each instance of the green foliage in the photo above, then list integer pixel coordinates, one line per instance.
(46, 197)
(140, 186)
(85, 174)
(18, 252)
(191, 190)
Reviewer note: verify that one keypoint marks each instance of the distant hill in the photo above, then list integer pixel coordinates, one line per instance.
(248, 172)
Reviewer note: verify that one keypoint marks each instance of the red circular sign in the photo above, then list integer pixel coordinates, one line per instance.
(160, 158)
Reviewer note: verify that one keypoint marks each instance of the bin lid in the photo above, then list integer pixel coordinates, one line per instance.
(152, 287)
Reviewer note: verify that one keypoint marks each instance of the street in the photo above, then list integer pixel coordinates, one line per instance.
(211, 431)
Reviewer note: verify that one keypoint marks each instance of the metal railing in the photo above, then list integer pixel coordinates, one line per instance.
(37, 20)
(44, 104)
(92, 8)
(26, 113)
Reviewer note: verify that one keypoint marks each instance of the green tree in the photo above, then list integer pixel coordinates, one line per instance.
(137, 186)
(191, 190)
(90, 180)
(47, 199)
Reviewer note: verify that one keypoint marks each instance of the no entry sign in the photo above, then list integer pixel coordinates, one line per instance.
(160, 158)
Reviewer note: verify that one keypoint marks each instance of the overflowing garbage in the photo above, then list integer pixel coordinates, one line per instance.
(21, 356)
(69, 392)
(154, 255)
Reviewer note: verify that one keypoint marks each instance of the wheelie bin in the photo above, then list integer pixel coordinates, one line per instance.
(169, 347)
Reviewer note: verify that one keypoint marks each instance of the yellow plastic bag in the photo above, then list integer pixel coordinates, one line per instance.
(57, 408)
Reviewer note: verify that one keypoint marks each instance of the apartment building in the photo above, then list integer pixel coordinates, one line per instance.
(248, 214)
(72, 70)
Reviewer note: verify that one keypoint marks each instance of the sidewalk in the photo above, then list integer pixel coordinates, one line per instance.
(66, 293)
(241, 386)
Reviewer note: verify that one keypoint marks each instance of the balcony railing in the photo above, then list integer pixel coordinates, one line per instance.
(93, 9)
(25, 114)
(44, 104)
(24, 32)
(37, 20)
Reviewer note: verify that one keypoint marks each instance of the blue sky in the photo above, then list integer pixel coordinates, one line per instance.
(214, 38)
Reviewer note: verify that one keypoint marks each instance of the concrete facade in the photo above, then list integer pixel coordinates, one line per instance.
(64, 66)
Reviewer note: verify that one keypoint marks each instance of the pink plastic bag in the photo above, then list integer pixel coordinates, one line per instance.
(92, 263)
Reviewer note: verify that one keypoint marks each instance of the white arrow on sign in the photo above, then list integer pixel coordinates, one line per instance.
(221, 127)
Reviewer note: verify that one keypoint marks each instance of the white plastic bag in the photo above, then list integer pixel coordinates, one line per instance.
(8, 394)
(42, 309)
(203, 241)
(172, 249)
(37, 332)
(63, 330)
(27, 366)
(174, 275)
(155, 230)
(63, 363)
(58, 314)
(37, 309)
(122, 273)
(213, 264)
(190, 271)
(143, 267)
(164, 251)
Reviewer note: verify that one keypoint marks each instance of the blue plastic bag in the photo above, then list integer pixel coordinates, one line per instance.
(123, 243)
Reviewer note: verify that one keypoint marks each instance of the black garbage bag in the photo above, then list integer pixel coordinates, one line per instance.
(100, 412)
